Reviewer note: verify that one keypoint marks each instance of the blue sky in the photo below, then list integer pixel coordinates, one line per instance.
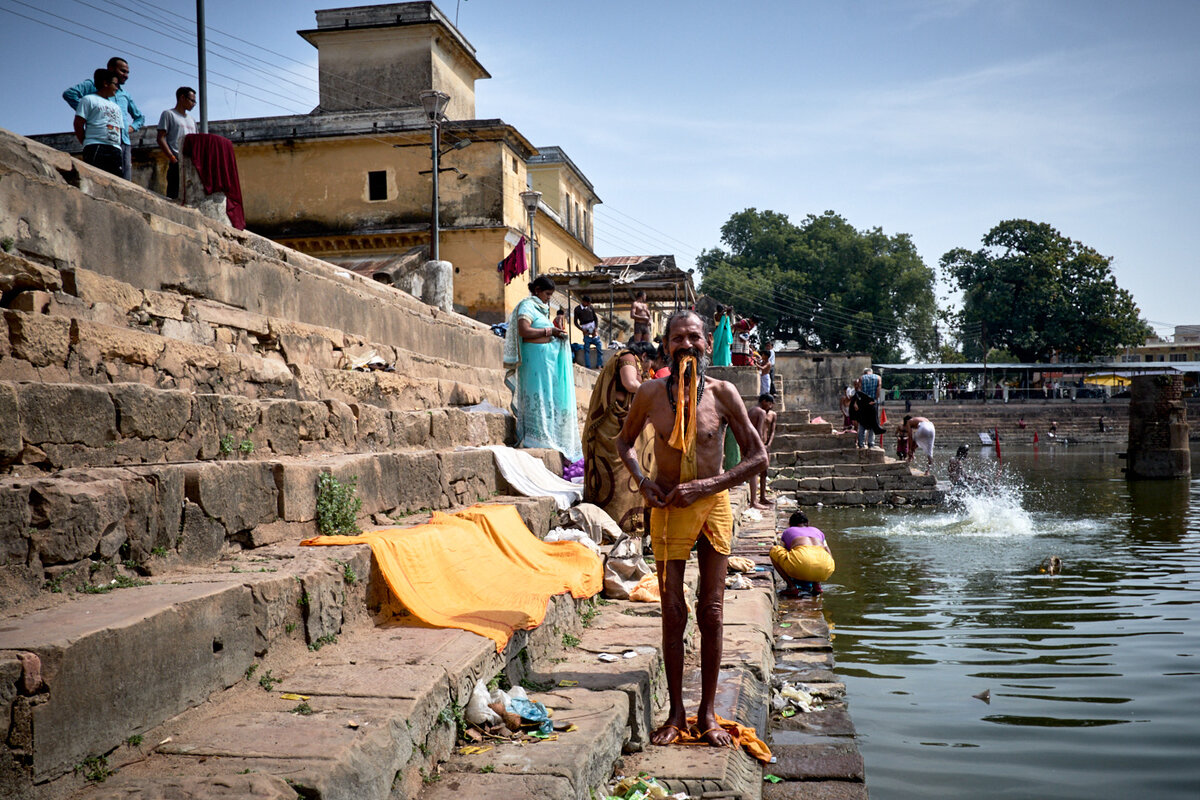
(935, 118)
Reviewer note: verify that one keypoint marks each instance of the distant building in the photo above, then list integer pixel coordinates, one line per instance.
(1183, 346)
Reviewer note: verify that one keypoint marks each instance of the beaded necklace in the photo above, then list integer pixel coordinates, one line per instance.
(671, 390)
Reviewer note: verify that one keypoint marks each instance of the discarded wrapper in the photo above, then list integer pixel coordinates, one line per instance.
(608, 658)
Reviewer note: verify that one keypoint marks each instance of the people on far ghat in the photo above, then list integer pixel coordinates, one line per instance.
(872, 387)
(132, 116)
(803, 559)
(98, 122)
(541, 376)
(762, 417)
(723, 337)
(606, 482)
(740, 349)
(639, 312)
(586, 321)
(560, 319)
(689, 498)
(844, 406)
(920, 437)
(173, 125)
(766, 366)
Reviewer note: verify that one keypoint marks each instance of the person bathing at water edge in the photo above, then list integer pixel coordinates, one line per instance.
(804, 559)
(689, 499)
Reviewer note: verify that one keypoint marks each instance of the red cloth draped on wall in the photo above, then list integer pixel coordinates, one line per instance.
(214, 160)
(513, 263)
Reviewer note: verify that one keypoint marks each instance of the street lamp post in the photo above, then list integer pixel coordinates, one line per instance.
(531, 199)
(434, 103)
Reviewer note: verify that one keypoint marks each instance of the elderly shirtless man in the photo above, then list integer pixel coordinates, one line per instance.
(689, 500)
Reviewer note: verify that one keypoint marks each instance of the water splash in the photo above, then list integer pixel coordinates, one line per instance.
(987, 502)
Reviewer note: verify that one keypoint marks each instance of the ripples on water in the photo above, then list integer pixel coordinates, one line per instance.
(1093, 675)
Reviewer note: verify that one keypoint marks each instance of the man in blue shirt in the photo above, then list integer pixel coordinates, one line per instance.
(871, 386)
(133, 116)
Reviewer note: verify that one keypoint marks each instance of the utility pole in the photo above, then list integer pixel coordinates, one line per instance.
(202, 66)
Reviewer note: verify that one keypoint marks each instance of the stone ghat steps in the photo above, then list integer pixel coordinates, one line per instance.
(75, 325)
(62, 425)
(82, 527)
(61, 212)
(842, 451)
(206, 644)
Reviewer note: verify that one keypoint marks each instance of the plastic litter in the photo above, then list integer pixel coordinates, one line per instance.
(532, 712)
(630, 654)
(608, 658)
(738, 581)
(478, 712)
(573, 535)
(752, 514)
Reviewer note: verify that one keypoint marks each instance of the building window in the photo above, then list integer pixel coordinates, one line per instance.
(377, 185)
(1179, 357)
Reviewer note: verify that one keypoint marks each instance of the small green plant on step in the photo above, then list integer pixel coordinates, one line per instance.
(227, 444)
(94, 769)
(303, 709)
(570, 640)
(7, 243)
(321, 641)
(348, 574)
(337, 506)
(246, 447)
(267, 681)
(135, 740)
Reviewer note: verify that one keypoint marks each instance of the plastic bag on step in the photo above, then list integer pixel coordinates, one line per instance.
(478, 712)
(532, 712)
(572, 535)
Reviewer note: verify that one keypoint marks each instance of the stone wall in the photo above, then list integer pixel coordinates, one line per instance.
(815, 380)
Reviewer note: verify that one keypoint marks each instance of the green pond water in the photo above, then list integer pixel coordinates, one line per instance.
(1093, 674)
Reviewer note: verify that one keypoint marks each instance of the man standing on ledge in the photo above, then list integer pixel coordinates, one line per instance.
(689, 499)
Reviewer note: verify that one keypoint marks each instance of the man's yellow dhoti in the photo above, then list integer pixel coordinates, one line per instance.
(674, 531)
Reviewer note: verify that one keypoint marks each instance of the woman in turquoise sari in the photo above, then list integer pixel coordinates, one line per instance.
(541, 375)
(723, 339)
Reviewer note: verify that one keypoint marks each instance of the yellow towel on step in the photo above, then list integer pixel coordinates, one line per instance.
(480, 570)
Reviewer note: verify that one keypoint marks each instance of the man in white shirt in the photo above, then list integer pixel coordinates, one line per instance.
(173, 125)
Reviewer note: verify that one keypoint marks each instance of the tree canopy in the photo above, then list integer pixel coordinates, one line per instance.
(1038, 294)
(824, 284)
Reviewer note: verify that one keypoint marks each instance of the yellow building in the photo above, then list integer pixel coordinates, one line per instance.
(344, 182)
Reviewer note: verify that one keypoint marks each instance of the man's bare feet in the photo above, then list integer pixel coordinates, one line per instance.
(716, 736)
(666, 735)
(762, 506)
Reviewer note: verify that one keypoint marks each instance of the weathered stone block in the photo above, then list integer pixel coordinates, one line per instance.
(92, 288)
(373, 426)
(14, 523)
(211, 642)
(340, 425)
(38, 339)
(200, 333)
(410, 429)
(10, 431)
(281, 424)
(71, 518)
(163, 305)
(20, 273)
(321, 602)
(218, 415)
(467, 475)
(151, 414)
(297, 486)
(119, 344)
(202, 537)
(66, 413)
(239, 494)
(420, 484)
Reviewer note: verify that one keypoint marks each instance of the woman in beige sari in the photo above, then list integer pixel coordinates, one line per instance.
(606, 482)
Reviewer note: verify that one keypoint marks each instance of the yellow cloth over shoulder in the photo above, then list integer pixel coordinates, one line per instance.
(480, 570)
(673, 531)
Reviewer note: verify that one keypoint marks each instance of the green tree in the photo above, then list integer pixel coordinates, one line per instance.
(824, 284)
(1036, 293)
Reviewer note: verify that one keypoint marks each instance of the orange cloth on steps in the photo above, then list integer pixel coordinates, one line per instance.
(480, 570)
(743, 736)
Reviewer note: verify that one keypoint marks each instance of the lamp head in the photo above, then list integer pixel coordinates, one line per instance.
(434, 104)
(531, 200)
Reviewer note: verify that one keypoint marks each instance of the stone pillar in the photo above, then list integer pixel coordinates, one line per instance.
(437, 285)
(1158, 429)
(191, 188)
